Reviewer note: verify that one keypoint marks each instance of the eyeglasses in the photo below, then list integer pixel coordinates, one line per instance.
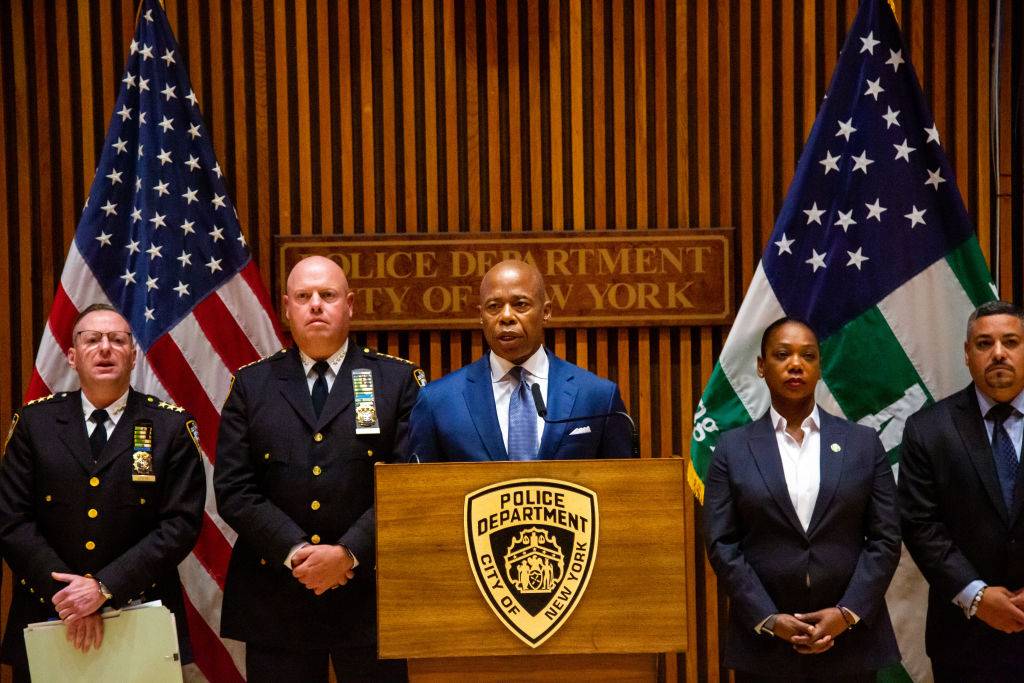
(117, 339)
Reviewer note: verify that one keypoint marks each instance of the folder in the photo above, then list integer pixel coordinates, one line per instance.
(139, 644)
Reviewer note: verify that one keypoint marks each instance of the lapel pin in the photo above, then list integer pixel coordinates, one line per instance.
(836, 448)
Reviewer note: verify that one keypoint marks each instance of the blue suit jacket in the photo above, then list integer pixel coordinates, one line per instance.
(455, 419)
(768, 564)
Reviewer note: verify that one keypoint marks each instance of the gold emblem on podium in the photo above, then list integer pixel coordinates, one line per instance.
(532, 544)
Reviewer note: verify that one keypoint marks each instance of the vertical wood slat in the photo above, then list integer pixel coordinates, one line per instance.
(742, 158)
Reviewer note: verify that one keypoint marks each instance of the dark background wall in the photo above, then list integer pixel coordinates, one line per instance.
(400, 116)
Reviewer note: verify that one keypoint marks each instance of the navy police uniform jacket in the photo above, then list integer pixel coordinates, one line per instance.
(455, 418)
(284, 476)
(62, 512)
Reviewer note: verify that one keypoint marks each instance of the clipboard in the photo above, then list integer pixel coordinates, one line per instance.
(140, 644)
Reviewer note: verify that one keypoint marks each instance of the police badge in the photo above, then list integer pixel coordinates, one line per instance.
(366, 408)
(142, 455)
(532, 544)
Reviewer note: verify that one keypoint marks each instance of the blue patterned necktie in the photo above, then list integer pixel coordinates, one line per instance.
(1003, 451)
(522, 420)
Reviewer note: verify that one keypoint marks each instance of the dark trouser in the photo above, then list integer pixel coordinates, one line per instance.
(994, 673)
(861, 677)
(274, 665)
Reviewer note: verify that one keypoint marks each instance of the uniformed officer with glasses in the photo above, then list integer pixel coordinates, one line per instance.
(101, 495)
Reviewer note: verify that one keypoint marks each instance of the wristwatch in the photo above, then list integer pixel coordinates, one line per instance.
(975, 603)
(107, 595)
(769, 625)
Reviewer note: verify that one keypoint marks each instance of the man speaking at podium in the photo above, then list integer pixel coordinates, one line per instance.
(489, 410)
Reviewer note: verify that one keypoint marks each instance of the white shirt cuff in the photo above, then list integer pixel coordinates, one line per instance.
(965, 597)
(288, 557)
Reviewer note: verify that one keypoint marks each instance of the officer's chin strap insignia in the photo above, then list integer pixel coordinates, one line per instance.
(142, 452)
(366, 407)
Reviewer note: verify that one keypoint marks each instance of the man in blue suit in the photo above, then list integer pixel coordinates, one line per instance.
(486, 410)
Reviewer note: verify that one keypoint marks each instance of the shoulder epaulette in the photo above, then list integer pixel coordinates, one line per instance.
(273, 355)
(373, 352)
(42, 399)
(156, 402)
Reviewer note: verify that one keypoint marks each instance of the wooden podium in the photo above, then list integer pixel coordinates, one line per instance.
(432, 612)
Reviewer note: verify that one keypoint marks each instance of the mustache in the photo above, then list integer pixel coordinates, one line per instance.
(999, 365)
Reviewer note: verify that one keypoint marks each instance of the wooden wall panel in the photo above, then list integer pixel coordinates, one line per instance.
(366, 116)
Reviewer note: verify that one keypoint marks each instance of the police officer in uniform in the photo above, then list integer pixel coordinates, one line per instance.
(101, 495)
(299, 436)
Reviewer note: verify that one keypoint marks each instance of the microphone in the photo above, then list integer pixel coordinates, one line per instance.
(542, 411)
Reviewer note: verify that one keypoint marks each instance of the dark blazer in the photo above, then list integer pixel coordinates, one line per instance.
(274, 459)
(957, 528)
(768, 564)
(141, 530)
(455, 418)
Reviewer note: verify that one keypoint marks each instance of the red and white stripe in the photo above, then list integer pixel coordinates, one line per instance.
(192, 367)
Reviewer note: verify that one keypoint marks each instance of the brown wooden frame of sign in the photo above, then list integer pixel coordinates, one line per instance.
(651, 298)
(431, 611)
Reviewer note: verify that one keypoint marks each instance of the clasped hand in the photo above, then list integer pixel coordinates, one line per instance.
(811, 633)
(1002, 610)
(76, 605)
(322, 567)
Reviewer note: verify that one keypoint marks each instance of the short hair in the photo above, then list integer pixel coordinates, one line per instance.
(996, 307)
(779, 323)
(92, 308)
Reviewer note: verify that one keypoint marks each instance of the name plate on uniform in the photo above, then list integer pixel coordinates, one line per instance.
(532, 545)
(594, 278)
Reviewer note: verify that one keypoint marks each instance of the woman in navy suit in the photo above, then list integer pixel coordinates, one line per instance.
(802, 529)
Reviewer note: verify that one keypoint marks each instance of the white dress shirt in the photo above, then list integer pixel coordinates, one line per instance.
(334, 362)
(801, 462)
(535, 371)
(1014, 425)
(114, 412)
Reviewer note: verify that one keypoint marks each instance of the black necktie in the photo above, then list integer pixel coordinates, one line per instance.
(98, 438)
(1003, 451)
(319, 387)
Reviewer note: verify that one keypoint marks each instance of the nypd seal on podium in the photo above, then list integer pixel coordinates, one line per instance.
(532, 545)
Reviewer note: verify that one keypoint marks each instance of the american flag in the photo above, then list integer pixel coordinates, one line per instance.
(159, 239)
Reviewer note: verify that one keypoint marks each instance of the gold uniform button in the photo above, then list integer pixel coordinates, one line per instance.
(41, 601)
(31, 590)
(48, 498)
(318, 437)
(94, 482)
(316, 470)
(315, 538)
(369, 453)
(266, 456)
(142, 501)
(23, 582)
(93, 513)
(262, 561)
(315, 505)
(89, 545)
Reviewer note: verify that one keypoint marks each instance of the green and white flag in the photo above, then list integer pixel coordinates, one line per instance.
(874, 248)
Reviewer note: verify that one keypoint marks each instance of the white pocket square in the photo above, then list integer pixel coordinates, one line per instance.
(580, 430)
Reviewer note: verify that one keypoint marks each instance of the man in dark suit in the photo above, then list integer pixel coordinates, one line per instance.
(101, 495)
(962, 498)
(299, 436)
(802, 530)
(486, 410)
